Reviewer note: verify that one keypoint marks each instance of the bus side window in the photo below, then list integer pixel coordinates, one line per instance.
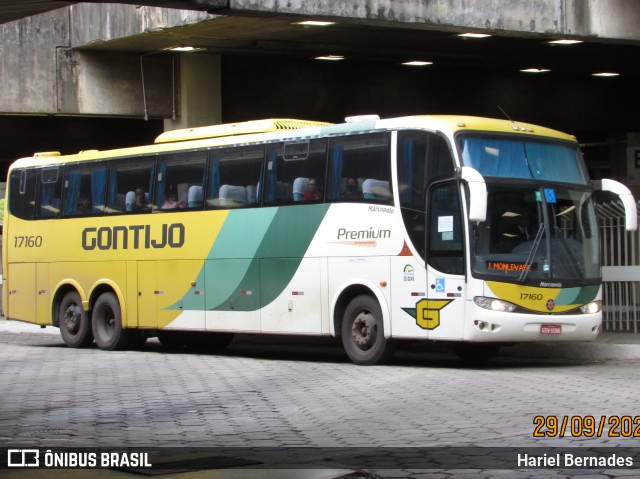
(22, 193)
(125, 178)
(412, 181)
(439, 159)
(423, 158)
(180, 180)
(363, 161)
(234, 176)
(296, 171)
(84, 189)
(48, 201)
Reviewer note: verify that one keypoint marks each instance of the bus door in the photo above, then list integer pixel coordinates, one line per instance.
(442, 312)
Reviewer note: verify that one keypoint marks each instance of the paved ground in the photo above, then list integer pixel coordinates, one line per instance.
(274, 393)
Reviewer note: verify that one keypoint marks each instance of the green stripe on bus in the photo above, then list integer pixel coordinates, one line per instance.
(580, 295)
(254, 257)
(287, 247)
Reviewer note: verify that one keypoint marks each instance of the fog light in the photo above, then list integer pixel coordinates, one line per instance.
(481, 325)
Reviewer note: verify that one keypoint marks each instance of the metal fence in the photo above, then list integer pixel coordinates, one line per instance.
(620, 271)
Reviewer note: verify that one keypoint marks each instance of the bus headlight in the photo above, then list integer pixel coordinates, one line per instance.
(592, 307)
(494, 304)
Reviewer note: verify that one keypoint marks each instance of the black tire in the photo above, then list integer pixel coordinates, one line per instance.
(106, 321)
(363, 334)
(476, 352)
(74, 322)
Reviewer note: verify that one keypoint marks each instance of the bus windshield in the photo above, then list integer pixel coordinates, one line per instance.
(516, 157)
(539, 235)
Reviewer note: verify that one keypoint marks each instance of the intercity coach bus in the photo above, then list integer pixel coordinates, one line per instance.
(472, 231)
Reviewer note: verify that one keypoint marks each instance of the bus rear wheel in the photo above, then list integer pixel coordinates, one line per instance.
(362, 332)
(106, 322)
(73, 321)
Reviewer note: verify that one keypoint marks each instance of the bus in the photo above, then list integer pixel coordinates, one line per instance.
(467, 231)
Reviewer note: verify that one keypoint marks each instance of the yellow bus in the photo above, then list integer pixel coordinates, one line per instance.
(471, 231)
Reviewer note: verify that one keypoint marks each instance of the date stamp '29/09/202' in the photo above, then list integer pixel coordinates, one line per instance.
(586, 426)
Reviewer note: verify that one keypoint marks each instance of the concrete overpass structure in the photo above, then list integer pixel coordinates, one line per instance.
(96, 74)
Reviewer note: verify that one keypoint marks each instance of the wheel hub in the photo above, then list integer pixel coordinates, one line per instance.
(72, 317)
(363, 330)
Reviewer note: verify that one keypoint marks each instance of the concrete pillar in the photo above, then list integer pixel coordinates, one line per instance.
(199, 102)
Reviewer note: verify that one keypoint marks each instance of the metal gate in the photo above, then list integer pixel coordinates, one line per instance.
(620, 271)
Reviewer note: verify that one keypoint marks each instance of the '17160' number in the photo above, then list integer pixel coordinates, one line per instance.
(28, 241)
(531, 296)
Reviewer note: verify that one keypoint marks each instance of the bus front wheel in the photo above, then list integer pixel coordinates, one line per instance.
(362, 332)
(106, 322)
(73, 321)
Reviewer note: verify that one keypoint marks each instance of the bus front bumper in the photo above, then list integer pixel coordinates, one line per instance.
(490, 326)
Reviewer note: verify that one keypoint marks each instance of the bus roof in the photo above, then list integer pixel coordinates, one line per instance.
(285, 129)
(240, 128)
(459, 123)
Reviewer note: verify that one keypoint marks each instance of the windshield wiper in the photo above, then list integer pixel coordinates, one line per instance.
(532, 254)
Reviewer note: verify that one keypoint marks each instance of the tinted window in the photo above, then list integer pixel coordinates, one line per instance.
(49, 197)
(180, 181)
(517, 158)
(364, 161)
(295, 171)
(85, 188)
(22, 193)
(422, 158)
(234, 177)
(131, 185)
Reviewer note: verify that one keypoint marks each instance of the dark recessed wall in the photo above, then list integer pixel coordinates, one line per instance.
(593, 109)
(260, 87)
(22, 136)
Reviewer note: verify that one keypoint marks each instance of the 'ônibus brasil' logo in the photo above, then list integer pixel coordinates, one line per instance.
(427, 312)
(134, 237)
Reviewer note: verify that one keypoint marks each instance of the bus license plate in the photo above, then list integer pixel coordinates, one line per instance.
(551, 329)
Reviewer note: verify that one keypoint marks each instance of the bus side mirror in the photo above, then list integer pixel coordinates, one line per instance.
(630, 210)
(477, 193)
